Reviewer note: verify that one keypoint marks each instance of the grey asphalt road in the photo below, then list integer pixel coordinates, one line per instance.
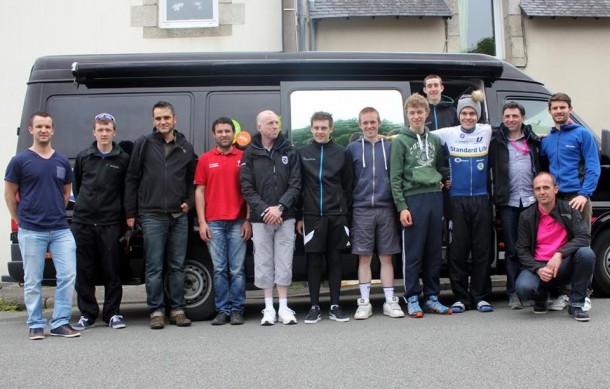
(503, 349)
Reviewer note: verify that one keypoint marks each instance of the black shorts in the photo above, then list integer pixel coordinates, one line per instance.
(323, 233)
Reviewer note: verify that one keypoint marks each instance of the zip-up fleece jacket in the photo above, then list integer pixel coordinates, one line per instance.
(98, 185)
(468, 157)
(156, 184)
(371, 168)
(578, 233)
(573, 159)
(443, 114)
(270, 178)
(498, 161)
(417, 165)
(327, 179)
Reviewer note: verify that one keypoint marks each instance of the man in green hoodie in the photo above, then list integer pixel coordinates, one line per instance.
(417, 173)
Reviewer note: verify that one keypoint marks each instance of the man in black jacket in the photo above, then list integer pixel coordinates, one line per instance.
(159, 188)
(513, 161)
(554, 250)
(99, 177)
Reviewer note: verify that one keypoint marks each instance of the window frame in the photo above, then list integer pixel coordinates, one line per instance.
(188, 23)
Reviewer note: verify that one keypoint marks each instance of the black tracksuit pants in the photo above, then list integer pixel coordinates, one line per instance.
(98, 257)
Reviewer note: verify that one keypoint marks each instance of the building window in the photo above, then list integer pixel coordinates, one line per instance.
(188, 13)
(481, 27)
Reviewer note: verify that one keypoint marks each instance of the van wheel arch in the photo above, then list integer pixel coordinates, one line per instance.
(601, 275)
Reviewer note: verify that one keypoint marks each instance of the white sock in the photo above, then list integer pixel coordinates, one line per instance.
(365, 290)
(268, 302)
(283, 303)
(389, 293)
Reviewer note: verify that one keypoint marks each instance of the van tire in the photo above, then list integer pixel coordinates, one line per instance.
(601, 274)
(198, 290)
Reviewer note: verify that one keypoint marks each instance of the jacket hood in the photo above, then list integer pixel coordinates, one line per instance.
(362, 142)
(116, 149)
(411, 134)
(528, 133)
(445, 101)
(280, 143)
(566, 127)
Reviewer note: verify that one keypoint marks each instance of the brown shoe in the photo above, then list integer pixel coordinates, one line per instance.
(179, 319)
(157, 320)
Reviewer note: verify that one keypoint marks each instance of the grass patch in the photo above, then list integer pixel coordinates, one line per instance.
(7, 306)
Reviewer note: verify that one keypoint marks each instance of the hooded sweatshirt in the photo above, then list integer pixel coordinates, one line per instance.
(416, 165)
(371, 167)
(442, 115)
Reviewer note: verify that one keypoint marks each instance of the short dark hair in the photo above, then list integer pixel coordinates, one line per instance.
(223, 120)
(164, 104)
(559, 96)
(41, 114)
(513, 105)
(430, 76)
(321, 115)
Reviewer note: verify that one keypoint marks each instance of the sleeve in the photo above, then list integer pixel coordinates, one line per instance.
(132, 179)
(524, 249)
(13, 171)
(189, 178)
(78, 174)
(347, 181)
(441, 165)
(581, 235)
(397, 161)
(592, 164)
(291, 196)
(248, 187)
(201, 174)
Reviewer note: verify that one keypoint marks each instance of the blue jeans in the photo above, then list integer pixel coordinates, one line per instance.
(510, 227)
(33, 246)
(165, 237)
(576, 270)
(228, 252)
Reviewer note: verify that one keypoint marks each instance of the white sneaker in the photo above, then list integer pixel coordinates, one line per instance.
(286, 316)
(560, 304)
(587, 306)
(364, 311)
(268, 317)
(392, 308)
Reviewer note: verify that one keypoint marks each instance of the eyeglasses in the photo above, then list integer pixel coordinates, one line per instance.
(105, 116)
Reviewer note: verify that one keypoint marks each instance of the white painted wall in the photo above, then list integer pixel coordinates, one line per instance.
(33, 28)
(381, 34)
(571, 56)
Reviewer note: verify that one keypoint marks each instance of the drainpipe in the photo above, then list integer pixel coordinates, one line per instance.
(301, 24)
(312, 28)
(289, 41)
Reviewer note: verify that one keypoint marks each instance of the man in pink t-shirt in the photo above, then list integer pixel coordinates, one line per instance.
(554, 250)
(223, 221)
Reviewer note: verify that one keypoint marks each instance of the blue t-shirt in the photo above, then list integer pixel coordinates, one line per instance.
(41, 189)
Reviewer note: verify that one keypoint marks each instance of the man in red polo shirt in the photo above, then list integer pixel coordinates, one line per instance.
(223, 221)
(554, 250)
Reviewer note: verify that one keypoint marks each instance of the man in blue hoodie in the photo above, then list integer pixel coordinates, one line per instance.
(374, 226)
(573, 160)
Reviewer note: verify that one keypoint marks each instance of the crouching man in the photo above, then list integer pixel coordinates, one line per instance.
(554, 250)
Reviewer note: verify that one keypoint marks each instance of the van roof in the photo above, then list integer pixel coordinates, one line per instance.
(264, 68)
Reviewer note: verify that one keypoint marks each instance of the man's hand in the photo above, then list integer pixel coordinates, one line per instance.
(578, 203)
(184, 207)
(405, 218)
(545, 274)
(273, 215)
(555, 263)
(300, 227)
(447, 184)
(246, 230)
(204, 231)
(131, 221)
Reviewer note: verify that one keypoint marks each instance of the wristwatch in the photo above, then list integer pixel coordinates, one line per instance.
(280, 207)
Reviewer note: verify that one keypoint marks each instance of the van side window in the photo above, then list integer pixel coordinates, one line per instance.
(344, 105)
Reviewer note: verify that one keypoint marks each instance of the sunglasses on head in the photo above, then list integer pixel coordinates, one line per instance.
(104, 116)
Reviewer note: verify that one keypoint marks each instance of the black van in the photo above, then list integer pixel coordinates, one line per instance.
(204, 86)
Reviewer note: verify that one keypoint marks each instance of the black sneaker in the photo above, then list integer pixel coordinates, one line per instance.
(36, 333)
(65, 331)
(237, 318)
(314, 315)
(578, 314)
(336, 314)
(540, 307)
(220, 319)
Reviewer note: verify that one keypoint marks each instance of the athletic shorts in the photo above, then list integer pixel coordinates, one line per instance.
(323, 233)
(375, 230)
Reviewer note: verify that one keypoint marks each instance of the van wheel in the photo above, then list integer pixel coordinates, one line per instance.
(198, 291)
(601, 275)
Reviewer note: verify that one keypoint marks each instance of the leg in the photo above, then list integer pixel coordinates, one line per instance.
(108, 240)
(480, 280)
(364, 268)
(314, 277)
(264, 273)
(387, 270)
(33, 246)
(218, 248)
(86, 254)
(433, 244)
(155, 238)
(459, 249)
(529, 287)
(178, 241)
(236, 258)
(63, 251)
(283, 250)
(578, 270)
(333, 263)
(509, 216)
